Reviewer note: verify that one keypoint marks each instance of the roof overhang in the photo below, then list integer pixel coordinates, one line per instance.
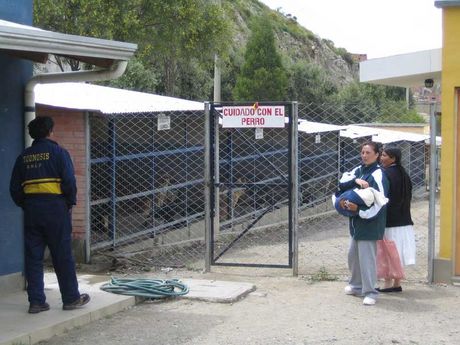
(405, 70)
(108, 100)
(447, 3)
(35, 44)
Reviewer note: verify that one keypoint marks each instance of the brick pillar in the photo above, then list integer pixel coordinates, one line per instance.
(69, 132)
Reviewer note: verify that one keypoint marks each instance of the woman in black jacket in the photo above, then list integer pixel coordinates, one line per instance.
(399, 224)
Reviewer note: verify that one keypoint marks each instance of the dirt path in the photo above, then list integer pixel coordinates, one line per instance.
(284, 310)
(323, 246)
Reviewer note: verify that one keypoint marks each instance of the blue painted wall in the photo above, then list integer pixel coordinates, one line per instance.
(14, 74)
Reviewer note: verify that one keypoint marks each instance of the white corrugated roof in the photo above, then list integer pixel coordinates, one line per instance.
(385, 136)
(316, 127)
(354, 132)
(108, 100)
(380, 135)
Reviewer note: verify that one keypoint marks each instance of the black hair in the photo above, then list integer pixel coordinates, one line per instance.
(393, 152)
(406, 183)
(40, 127)
(375, 146)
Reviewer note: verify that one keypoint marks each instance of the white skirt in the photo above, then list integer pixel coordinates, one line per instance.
(404, 238)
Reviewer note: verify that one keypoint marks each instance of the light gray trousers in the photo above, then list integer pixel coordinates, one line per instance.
(363, 268)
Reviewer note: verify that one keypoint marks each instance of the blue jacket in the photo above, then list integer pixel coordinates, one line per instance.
(369, 223)
(43, 169)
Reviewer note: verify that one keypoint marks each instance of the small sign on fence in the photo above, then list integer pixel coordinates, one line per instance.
(259, 133)
(163, 122)
(253, 116)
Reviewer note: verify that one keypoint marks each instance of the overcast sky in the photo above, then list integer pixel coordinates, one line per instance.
(376, 28)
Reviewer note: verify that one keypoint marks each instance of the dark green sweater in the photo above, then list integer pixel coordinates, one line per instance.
(370, 222)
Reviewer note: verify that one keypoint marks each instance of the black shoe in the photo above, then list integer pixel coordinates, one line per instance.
(81, 301)
(37, 308)
(390, 289)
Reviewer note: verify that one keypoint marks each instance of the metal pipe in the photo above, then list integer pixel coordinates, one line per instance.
(116, 70)
(294, 187)
(113, 178)
(432, 194)
(215, 204)
(88, 191)
(207, 187)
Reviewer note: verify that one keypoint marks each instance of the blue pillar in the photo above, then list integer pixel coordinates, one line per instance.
(14, 74)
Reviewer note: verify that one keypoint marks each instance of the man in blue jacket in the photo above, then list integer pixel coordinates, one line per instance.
(43, 184)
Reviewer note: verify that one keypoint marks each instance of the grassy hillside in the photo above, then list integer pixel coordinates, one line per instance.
(295, 42)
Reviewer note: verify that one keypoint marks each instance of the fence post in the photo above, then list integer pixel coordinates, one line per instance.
(294, 186)
(207, 185)
(432, 193)
(88, 189)
(113, 177)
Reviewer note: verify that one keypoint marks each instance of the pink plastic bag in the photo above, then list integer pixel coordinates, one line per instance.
(388, 262)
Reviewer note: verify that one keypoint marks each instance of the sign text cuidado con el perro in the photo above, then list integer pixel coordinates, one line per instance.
(253, 117)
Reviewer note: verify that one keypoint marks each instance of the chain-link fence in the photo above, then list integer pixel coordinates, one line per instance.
(252, 189)
(323, 234)
(147, 186)
(147, 201)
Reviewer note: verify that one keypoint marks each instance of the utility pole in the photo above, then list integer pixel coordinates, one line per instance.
(217, 79)
(408, 97)
(217, 73)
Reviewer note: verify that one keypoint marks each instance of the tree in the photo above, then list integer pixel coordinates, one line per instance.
(262, 75)
(194, 80)
(230, 70)
(168, 33)
(308, 83)
(94, 18)
(174, 32)
(136, 77)
(375, 103)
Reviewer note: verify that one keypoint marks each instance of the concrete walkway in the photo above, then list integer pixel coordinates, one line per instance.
(17, 327)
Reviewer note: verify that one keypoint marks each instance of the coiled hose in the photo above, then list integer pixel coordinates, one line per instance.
(148, 288)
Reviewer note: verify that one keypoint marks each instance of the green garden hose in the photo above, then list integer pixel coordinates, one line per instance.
(148, 288)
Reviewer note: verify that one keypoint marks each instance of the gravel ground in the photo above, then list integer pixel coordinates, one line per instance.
(283, 310)
(327, 246)
(308, 309)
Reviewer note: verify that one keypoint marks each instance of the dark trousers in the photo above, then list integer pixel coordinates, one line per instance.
(48, 223)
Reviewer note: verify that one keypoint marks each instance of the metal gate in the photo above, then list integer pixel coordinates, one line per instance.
(251, 190)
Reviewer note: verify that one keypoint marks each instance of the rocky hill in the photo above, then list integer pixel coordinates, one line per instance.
(295, 42)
